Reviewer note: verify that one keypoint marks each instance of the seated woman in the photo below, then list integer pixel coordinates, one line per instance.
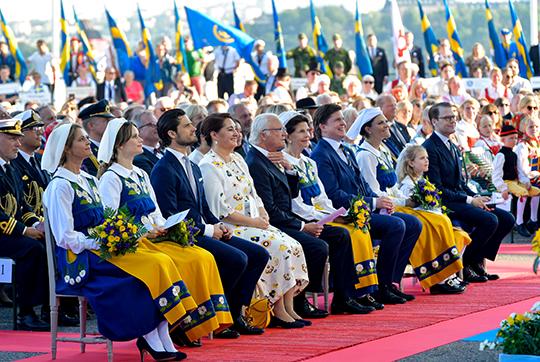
(122, 184)
(435, 257)
(311, 203)
(232, 197)
(135, 295)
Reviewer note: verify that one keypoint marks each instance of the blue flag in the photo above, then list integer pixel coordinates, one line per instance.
(318, 39)
(121, 45)
(525, 69)
(65, 50)
(498, 51)
(432, 44)
(362, 57)
(278, 39)
(20, 65)
(152, 79)
(206, 31)
(181, 59)
(87, 47)
(237, 22)
(455, 42)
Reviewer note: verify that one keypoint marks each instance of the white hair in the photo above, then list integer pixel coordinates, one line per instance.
(258, 125)
(322, 99)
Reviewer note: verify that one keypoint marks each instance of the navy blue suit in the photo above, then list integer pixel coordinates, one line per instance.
(490, 228)
(146, 161)
(91, 164)
(240, 262)
(398, 232)
(274, 188)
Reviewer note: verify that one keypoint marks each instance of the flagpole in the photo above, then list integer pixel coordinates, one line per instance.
(533, 6)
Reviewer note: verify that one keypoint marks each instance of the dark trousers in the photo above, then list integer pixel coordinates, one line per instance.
(398, 234)
(240, 264)
(334, 242)
(225, 84)
(31, 263)
(490, 228)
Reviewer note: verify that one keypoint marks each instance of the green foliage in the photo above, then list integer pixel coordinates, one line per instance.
(183, 234)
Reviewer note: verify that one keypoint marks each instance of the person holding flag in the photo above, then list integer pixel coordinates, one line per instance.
(509, 46)
(338, 54)
(42, 63)
(261, 57)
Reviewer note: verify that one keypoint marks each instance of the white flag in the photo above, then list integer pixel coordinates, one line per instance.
(401, 52)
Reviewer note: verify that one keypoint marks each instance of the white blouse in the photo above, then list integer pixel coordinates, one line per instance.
(524, 168)
(110, 189)
(58, 199)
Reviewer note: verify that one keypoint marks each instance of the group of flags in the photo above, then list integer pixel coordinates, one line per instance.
(206, 31)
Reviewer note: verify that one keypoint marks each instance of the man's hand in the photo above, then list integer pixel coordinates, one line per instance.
(279, 159)
(218, 233)
(34, 233)
(505, 194)
(226, 232)
(313, 229)
(480, 202)
(384, 202)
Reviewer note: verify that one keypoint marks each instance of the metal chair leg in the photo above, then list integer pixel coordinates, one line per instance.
(109, 350)
(54, 327)
(326, 285)
(82, 321)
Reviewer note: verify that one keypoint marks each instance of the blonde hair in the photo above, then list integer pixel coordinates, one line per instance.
(408, 155)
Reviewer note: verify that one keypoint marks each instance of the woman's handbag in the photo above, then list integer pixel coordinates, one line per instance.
(259, 311)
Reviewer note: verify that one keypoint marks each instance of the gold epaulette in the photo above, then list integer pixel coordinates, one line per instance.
(6, 227)
(27, 216)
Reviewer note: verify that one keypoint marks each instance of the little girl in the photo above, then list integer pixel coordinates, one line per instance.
(412, 164)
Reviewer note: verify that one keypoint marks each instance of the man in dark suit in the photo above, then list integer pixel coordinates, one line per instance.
(111, 89)
(342, 181)
(399, 136)
(534, 54)
(94, 119)
(179, 186)
(272, 184)
(19, 237)
(146, 122)
(416, 54)
(379, 63)
(490, 224)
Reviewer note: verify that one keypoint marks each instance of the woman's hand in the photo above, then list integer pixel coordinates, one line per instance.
(155, 232)
(260, 223)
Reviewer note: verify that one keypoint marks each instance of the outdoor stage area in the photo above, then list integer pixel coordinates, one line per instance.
(429, 328)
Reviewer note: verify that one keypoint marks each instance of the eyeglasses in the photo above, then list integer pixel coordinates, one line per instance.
(530, 108)
(449, 118)
(153, 125)
(282, 129)
(505, 105)
(368, 82)
(491, 113)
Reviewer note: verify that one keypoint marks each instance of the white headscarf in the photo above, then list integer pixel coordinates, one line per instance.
(106, 146)
(285, 117)
(365, 115)
(54, 148)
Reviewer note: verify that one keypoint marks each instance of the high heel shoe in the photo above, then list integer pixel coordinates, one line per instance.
(144, 347)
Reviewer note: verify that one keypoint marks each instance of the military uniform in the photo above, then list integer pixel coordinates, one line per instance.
(303, 59)
(338, 55)
(336, 85)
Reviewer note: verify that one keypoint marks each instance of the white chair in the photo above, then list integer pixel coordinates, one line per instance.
(55, 303)
(325, 287)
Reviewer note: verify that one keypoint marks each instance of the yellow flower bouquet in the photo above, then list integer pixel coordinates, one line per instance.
(183, 234)
(426, 195)
(360, 214)
(118, 234)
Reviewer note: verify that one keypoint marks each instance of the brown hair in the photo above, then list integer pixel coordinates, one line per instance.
(213, 123)
(409, 154)
(124, 134)
(69, 140)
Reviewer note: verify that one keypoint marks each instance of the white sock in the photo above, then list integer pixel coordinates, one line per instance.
(520, 209)
(154, 341)
(534, 208)
(163, 331)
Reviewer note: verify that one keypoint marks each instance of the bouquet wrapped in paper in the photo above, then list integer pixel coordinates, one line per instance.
(182, 233)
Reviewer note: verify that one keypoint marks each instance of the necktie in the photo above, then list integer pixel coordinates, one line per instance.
(110, 88)
(344, 155)
(189, 172)
(225, 52)
(399, 136)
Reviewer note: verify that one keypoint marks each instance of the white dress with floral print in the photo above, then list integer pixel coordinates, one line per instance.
(229, 187)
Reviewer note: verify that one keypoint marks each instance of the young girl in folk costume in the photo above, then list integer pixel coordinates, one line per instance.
(136, 295)
(528, 153)
(496, 89)
(412, 164)
(488, 138)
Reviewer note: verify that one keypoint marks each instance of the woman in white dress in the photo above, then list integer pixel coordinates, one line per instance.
(232, 197)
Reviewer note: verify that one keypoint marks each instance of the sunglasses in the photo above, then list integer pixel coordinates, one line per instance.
(368, 82)
(505, 105)
(491, 113)
(530, 108)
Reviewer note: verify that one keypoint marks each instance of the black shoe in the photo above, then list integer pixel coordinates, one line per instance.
(242, 326)
(305, 322)
(307, 310)
(144, 347)
(461, 282)
(469, 275)
(448, 287)
(275, 322)
(5, 301)
(522, 230)
(180, 339)
(369, 301)
(479, 269)
(178, 356)
(31, 322)
(350, 306)
(532, 226)
(400, 294)
(385, 296)
(64, 319)
(227, 334)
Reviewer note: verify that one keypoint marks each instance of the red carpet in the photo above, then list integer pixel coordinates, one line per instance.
(523, 249)
(338, 333)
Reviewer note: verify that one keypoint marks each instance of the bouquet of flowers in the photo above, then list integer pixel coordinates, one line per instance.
(118, 235)
(183, 234)
(519, 334)
(427, 196)
(360, 214)
(536, 248)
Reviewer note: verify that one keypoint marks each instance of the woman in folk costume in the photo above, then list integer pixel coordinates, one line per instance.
(312, 203)
(136, 295)
(232, 197)
(435, 257)
(496, 89)
(122, 184)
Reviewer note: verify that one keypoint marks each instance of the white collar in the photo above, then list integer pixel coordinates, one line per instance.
(368, 147)
(261, 150)
(443, 138)
(70, 176)
(2, 162)
(95, 142)
(126, 172)
(148, 148)
(25, 155)
(179, 155)
(335, 144)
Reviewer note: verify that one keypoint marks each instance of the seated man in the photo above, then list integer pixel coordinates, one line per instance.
(446, 171)
(146, 122)
(179, 186)
(19, 237)
(266, 163)
(342, 181)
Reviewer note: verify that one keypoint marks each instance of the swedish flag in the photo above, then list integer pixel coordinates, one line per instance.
(498, 51)
(278, 38)
(181, 59)
(206, 31)
(87, 48)
(65, 50)
(152, 79)
(20, 66)
(455, 42)
(237, 22)
(524, 61)
(121, 45)
(362, 58)
(318, 39)
(432, 44)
